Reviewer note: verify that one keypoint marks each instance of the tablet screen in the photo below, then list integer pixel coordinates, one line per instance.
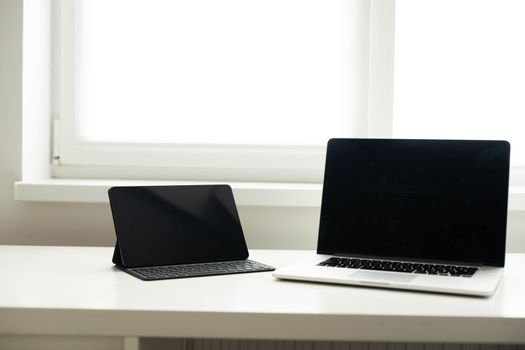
(166, 225)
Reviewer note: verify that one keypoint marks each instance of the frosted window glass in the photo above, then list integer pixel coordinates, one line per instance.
(460, 71)
(272, 72)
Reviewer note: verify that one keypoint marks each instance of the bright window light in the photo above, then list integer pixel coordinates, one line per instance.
(240, 72)
(460, 71)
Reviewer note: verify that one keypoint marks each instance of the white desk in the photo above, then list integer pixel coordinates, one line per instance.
(76, 291)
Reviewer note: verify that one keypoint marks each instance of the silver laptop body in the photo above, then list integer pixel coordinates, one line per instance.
(425, 215)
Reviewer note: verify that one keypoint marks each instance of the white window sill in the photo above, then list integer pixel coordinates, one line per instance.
(96, 191)
(246, 194)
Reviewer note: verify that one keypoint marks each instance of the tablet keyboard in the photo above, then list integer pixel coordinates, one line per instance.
(200, 269)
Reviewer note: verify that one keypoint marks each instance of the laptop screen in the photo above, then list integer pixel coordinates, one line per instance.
(165, 225)
(428, 200)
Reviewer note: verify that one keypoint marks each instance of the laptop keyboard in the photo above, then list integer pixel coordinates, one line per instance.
(398, 266)
(200, 269)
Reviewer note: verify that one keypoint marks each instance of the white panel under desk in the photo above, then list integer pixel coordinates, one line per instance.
(233, 344)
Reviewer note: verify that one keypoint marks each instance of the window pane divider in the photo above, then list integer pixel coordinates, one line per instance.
(381, 68)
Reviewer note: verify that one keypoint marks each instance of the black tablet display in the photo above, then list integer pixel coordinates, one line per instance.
(168, 225)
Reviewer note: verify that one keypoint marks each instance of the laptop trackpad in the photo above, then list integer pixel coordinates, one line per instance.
(382, 277)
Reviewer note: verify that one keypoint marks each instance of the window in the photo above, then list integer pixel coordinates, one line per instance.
(250, 90)
(234, 89)
(459, 71)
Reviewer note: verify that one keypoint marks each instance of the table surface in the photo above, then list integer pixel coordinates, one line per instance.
(78, 291)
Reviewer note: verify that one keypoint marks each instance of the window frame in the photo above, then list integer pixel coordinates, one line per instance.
(73, 158)
(44, 181)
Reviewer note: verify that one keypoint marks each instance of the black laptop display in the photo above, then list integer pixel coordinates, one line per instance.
(436, 200)
(176, 225)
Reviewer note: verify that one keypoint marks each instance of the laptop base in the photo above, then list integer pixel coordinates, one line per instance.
(483, 283)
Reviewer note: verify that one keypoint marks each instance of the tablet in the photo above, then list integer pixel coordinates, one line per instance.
(169, 225)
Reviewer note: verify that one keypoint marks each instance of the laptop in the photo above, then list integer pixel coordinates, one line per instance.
(178, 231)
(425, 215)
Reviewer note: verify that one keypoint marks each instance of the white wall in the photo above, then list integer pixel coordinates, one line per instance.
(91, 224)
